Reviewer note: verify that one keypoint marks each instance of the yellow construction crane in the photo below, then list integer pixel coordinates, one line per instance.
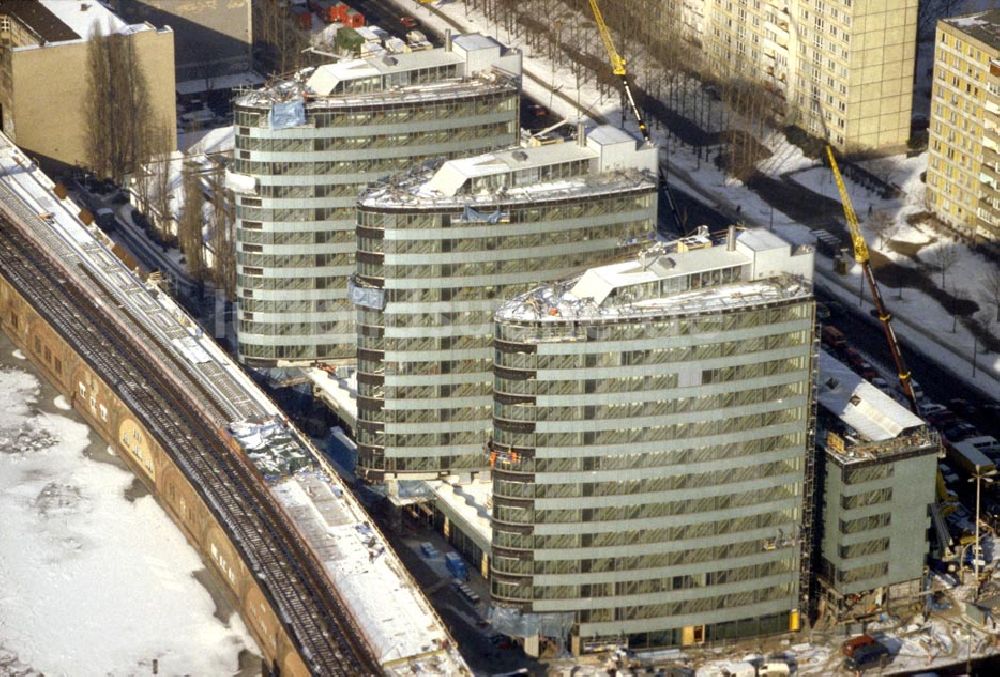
(862, 256)
(619, 68)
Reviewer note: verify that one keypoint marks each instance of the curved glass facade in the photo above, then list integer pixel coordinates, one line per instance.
(650, 468)
(425, 358)
(295, 240)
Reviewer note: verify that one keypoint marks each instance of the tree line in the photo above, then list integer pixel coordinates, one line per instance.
(124, 139)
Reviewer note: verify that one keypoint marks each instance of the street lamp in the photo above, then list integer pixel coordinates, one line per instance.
(978, 477)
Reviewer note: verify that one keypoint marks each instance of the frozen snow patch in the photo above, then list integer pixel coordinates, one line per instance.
(61, 402)
(73, 548)
(18, 354)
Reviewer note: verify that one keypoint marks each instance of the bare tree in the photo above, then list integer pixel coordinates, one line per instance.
(117, 107)
(189, 226)
(991, 289)
(882, 225)
(223, 241)
(943, 258)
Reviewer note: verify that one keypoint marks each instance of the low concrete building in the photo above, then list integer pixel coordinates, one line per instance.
(43, 74)
(875, 481)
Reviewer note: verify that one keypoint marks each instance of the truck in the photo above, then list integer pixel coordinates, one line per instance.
(833, 337)
(969, 459)
(456, 566)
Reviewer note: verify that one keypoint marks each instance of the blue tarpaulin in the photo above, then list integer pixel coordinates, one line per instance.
(470, 214)
(287, 114)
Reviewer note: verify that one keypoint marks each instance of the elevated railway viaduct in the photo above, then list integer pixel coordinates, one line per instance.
(171, 432)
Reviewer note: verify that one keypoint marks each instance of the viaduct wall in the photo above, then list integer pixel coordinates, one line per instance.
(97, 402)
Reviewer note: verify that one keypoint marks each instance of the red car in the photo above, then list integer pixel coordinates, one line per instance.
(408, 21)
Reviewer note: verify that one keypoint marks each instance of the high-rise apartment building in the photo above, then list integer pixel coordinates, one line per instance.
(652, 439)
(305, 150)
(964, 165)
(437, 254)
(877, 464)
(841, 69)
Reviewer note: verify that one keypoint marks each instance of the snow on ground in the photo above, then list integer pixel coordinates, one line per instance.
(92, 583)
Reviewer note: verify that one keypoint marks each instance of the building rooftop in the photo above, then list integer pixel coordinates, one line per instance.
(66, 21)
(871, 419)
(752, 267)
(478, 60)
(983, 26)
(608, 159)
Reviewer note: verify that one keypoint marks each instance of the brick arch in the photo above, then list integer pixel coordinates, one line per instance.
(132, 439)
(223, 556)
(260, 619)
(177, 495)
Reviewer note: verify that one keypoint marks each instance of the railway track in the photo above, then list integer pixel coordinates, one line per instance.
(319, 624)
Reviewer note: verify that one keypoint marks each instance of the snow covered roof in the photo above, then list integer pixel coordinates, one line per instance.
(519, 171)
(472, 42)
(873, 414)
(623, 289)
(85, 17)
(326, 77)
(983, 26)
(57, 21)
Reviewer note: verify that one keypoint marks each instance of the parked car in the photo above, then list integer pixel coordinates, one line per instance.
(942, 419)
(926, 409)
(956, 432)
(833, 337)
(962, 406)
(851, 356)
(872, 655)
(105, 219)
(822, 312)
(880, 383)
(867, 370)
(849, 646)
(408, 22)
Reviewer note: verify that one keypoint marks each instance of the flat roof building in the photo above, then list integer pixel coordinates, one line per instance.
(43, 75)
(440, 250)
(963, 170)
(876, 471)
(651, 443)
(307, 147)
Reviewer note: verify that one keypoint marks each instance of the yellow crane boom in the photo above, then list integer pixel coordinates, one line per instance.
(619, 69)
(617, 61)
(862, 256)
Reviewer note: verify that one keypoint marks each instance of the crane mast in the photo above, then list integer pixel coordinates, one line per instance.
(862, 256)
(618, 67)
